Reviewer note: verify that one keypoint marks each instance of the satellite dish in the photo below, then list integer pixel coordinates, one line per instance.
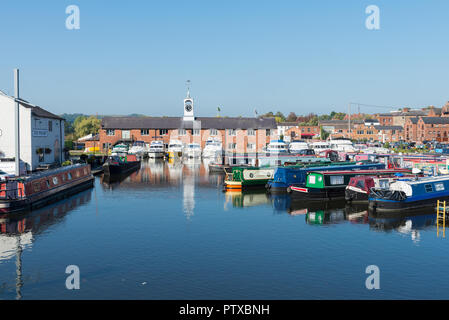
(416, 171)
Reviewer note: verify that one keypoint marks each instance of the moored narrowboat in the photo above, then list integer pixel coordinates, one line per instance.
(405, 195)
(120, 165)
(359, 188)
(287, 176)
(327, 185)
(36, 190)
(247, 177)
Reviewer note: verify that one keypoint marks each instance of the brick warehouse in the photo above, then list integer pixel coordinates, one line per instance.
(237, 134)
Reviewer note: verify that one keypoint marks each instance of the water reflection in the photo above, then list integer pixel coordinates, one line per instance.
(18, 232)
(409, 223)
(251, 198)
(193, 175)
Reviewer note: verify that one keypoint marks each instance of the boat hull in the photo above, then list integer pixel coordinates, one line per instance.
(42, 199)
(401, 206)
(356, 196)
(112, 169)
(317, 193)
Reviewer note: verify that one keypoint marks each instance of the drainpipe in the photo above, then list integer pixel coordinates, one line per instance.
(17, 122)
(62, 143)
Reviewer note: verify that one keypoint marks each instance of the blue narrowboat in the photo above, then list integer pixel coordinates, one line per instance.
(405, 195)
(285, 177)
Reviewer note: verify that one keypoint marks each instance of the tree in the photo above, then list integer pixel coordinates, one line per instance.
(280, 115)
(291, 117)
(86, 125)
(323, 134)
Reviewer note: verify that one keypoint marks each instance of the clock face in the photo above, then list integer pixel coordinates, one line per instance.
(188, 106)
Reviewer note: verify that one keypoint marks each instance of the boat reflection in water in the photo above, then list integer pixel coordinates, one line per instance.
(246, 198)
(19, 231)
(409, 223)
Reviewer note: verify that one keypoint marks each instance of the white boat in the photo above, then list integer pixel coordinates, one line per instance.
(120, 149)
(297, 146)
(277, 147)
(139, 148)
(342, 145)
(174, 149)
(320, 146)
(192, 150)
(213, 148)
(157, 149)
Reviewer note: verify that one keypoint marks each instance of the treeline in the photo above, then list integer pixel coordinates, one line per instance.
(310, 120)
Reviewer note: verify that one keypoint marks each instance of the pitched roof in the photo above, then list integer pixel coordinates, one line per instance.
(388, 128)
(35, 110)
(435, 120)
(177, 122)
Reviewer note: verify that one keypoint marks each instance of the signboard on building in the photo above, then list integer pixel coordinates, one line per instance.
(40, 133)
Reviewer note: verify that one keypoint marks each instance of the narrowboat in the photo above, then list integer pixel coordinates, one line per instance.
(247, 177)
(36, 190)
(120, 165)
(406, 195)
(288, 176)
(359, 188)
(329, 185)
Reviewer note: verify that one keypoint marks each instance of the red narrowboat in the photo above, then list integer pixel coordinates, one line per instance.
(37, 190)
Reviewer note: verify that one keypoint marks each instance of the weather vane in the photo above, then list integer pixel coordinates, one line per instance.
(188, 88)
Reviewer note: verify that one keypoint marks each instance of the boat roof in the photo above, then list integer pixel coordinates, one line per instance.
(429, 179)
(50, 172)
(361, 171)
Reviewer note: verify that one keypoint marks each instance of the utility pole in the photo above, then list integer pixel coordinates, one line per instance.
(17, 122)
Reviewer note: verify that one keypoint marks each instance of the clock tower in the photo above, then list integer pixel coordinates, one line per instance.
(188, 105)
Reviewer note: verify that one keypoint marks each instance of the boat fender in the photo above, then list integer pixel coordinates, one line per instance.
(289, 190)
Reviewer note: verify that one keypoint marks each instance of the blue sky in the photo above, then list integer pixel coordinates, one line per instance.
(301, 56)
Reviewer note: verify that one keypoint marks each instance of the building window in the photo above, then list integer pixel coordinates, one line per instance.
(163, 132)
(181, 132)
(231, 132)
(251, 146)
(144, 132)
(232, 145)
(50, 125)
(213, 132)
(268, 132)
(196, 132)
(110, 132)
(251, 132)
(106, 145)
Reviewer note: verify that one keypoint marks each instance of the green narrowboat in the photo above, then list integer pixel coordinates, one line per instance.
(327, 185)
(247, 177)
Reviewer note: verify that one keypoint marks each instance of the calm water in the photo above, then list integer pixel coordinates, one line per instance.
(169, 232)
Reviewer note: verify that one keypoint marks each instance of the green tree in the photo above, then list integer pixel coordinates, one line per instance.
(86, 125)
(323, 134)
(291, 117)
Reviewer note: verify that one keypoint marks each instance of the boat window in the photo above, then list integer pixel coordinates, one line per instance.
(55, 180)
(439, 186)
(384, 184)
(312, 179)
(360, 184)
(48, 183)
(337, 180)
(428, 187)
(69, 176)
(36, 187)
